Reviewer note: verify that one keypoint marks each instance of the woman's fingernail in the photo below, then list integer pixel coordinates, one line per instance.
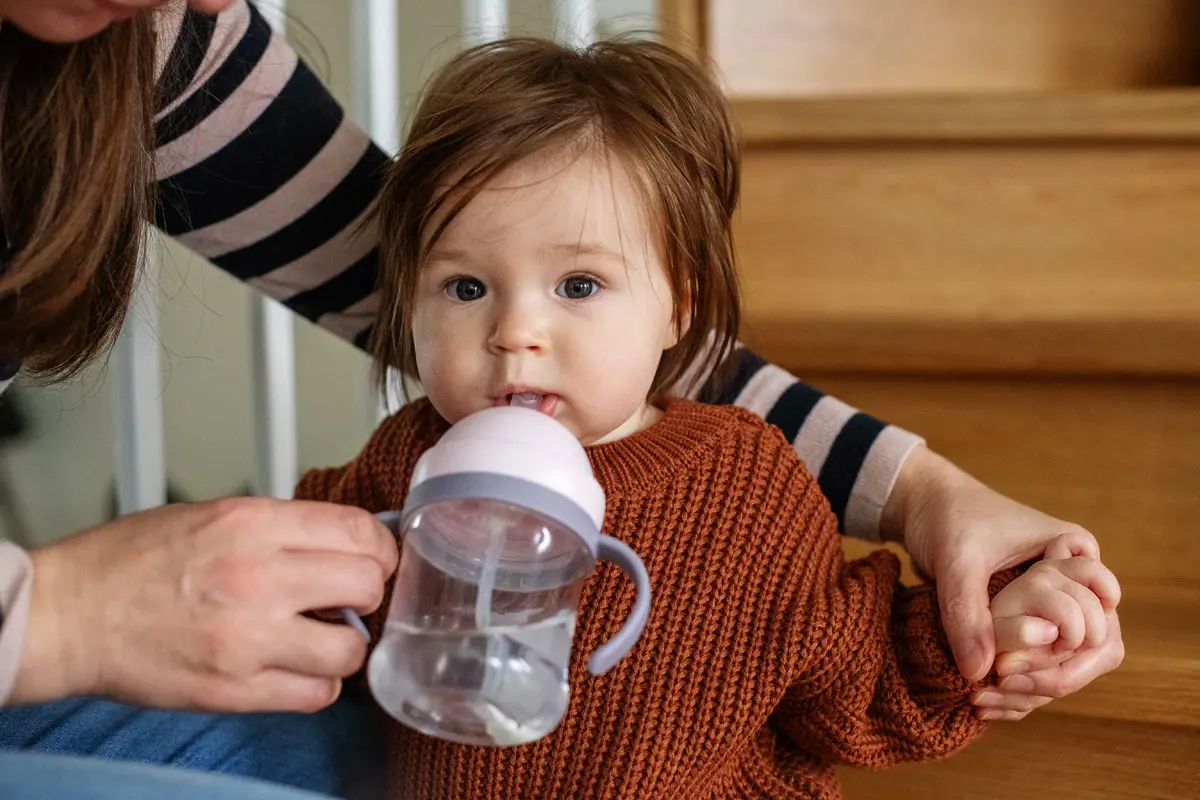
(1017, 683)
(989, 715)
(1013, 668)
(987, 698)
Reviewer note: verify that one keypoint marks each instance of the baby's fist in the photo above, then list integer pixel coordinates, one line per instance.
(1073, 594)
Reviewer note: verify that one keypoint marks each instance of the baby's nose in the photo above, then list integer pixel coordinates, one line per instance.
(518, 329)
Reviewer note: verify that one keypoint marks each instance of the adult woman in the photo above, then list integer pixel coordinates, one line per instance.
(279, 208)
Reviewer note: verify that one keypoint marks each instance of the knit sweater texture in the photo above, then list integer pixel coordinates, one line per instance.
(767, 660)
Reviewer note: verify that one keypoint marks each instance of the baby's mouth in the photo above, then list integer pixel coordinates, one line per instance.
(545, 403)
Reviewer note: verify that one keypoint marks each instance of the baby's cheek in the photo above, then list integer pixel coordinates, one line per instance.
(448, 383)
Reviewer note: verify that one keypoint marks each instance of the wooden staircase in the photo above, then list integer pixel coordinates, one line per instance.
(1004, 257)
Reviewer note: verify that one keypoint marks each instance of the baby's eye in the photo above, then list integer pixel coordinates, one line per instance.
(465, 289)
(577, 287)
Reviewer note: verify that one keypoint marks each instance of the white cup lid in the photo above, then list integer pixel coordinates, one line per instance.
(514, 454)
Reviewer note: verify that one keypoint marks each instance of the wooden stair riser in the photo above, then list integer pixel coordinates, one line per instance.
(1121, 458)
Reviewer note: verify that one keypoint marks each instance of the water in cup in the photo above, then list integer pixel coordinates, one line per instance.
(503, 684)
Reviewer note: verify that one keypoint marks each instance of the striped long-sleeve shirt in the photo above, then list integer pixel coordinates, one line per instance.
(259, 170)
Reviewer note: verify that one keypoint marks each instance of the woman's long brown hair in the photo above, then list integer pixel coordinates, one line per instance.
(76, 150)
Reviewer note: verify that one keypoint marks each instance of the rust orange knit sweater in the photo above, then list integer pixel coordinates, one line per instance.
(767, 660)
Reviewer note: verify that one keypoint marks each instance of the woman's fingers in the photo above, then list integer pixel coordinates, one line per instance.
(995, 700)
(313, 579)
(308, 525)
(270, 690)
(317, 649)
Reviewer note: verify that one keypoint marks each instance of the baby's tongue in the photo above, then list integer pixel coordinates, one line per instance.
(526, 400)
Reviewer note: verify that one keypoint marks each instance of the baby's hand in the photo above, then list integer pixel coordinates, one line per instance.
(1053, 625)
(1061, 605)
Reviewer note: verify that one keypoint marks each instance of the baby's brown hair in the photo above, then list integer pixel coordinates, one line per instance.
(499, 103)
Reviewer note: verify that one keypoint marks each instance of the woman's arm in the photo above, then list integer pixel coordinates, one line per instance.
(857, 459)
(260, 171)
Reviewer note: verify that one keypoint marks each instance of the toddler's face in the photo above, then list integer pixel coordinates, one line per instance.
(547, 286)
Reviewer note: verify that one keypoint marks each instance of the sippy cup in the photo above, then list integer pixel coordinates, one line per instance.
(500, 530)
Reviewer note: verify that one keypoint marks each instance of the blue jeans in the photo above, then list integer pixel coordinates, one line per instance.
(324, 752)
(37, 776)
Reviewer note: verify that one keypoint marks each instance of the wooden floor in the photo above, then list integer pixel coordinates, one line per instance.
(1051, 756)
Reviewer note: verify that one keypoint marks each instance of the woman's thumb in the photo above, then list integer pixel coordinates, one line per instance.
(963, 597)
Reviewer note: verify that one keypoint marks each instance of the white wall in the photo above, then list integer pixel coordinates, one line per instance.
(63, 474)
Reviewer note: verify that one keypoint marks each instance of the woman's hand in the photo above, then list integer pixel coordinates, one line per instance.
(201, 606)
(959, 532)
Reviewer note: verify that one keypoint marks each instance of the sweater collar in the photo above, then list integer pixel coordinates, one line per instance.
(641, 461)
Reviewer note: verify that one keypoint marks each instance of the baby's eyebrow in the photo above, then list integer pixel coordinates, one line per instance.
(446, 254)
(592, 249)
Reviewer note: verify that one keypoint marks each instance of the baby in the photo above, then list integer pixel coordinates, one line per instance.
(557, 233)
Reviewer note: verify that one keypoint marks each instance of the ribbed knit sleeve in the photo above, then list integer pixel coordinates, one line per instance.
(875, 682)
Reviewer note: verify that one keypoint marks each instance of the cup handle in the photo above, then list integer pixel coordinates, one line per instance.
(391, 520)
(612, 651)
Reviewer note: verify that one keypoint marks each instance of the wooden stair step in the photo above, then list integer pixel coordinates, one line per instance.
(1113, 116)
(1050, 755)
(1030, 233)
(788, 48)
(946, 344)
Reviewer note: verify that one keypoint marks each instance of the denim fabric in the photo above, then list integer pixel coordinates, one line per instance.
(37, 776)
(320, 752)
